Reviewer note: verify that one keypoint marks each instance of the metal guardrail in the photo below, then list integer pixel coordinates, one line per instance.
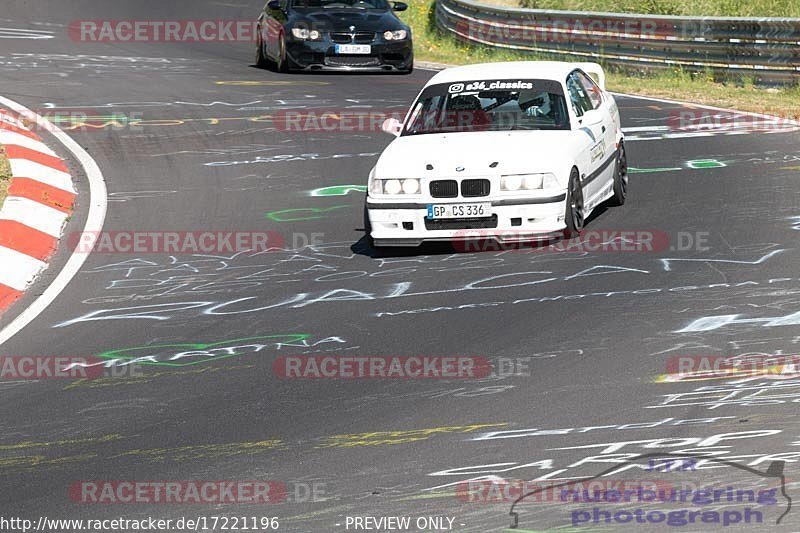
(765, 49)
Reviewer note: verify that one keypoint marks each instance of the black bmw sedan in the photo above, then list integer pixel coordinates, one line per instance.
(334, 35)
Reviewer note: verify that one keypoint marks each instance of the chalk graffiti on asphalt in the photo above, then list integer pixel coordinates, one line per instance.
(290, 158)
(711, 447)
(512, 280)
(338, 190)
(186, 354)
(746, 394)
(302, 213)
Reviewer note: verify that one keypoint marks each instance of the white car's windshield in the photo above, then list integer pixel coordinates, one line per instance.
(489, 105)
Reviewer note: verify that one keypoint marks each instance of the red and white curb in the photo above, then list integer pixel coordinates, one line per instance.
(40, 199)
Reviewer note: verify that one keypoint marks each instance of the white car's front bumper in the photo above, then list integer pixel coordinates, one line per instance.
(396, 223)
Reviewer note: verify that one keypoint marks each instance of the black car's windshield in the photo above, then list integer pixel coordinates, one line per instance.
(340, 4)
(490, 105)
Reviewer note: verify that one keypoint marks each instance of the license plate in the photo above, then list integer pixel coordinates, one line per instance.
(353, 49)
(477, 210)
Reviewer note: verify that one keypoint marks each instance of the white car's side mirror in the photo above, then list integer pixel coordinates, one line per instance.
(592, 118)
(392, 125)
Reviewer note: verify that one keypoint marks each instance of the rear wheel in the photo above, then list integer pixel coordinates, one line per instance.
(620, 177)
(574, 213)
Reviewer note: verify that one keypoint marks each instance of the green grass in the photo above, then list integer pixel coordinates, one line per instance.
(432, 45)
(5, 175)
(709, 8)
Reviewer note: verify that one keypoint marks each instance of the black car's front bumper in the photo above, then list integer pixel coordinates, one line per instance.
(321, 55)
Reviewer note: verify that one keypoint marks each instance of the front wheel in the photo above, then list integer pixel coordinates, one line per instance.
(282, 62)
(620, 177)
(261, 59)
(574, 213)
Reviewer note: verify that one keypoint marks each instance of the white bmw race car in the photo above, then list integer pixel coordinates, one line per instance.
(508, 151)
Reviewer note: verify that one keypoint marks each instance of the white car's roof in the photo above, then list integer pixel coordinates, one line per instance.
(542, 70)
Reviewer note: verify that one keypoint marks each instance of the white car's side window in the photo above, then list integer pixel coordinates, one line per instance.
(577, 96)
(591, 89)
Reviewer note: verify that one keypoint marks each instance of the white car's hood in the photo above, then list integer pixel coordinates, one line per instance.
(514, 152)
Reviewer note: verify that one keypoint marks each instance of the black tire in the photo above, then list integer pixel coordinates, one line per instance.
(282, 61)
(620, 177)
(574, 212)
(261, 59)
(410, 68)
(368, 227)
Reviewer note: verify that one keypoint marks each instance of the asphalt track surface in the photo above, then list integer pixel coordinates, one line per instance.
(382, 448)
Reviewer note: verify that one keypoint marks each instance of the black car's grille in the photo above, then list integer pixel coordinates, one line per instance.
(342, 38)
(363, 37)
(461, 223)
(359, 37)
(475, 188)
(352, 61)
(444, 188)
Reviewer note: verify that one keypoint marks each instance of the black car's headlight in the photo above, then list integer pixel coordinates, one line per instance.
(396, 35)
(306, 35)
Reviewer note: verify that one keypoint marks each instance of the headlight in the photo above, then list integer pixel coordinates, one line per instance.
(398, 35)
(392, 187)
(550, 182)
(510, 183)
(306, 34)
(410, 186)
(528, 182)
(532, 181)
(395, 186)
